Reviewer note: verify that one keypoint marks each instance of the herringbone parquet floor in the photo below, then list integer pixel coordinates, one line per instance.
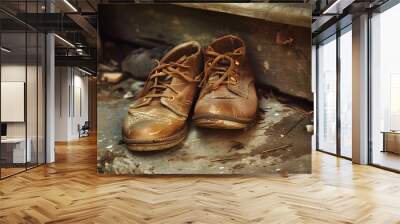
(70, 191)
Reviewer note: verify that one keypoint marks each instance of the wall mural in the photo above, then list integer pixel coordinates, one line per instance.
(204, 89)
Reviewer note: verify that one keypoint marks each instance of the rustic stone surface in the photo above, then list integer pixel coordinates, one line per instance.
(140, 62)
(281, 54)
(112, 77)
(277, 142)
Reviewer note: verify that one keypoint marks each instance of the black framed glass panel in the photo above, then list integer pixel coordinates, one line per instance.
(15, 152)
(22, 88)
(385, 89)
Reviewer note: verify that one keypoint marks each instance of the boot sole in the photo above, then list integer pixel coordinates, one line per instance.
(156, 145)
(218, 123)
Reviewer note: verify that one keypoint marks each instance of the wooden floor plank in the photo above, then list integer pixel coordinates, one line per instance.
(70, 191)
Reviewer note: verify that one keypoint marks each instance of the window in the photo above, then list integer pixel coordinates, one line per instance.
(346, 93)
(385, 89)
(326, 96)
(334, 109)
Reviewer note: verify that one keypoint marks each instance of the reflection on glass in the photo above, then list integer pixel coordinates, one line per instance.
(14, 153)
(23, 91)
(41, 99)
(327, 96)
(385, 114)
(32, 88)
(394, 102)
(31, 97)
(346, 94)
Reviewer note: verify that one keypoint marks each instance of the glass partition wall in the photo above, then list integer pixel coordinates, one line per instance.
(385, 89)
(334, 94)
(334, 106)
(22, 98)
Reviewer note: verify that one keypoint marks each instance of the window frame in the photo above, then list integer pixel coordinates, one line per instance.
(337, 34)
(381, 9)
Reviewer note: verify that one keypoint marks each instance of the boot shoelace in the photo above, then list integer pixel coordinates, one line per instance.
(220, 70)
(161, 78)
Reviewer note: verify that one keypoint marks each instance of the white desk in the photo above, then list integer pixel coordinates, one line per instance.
(18, 155)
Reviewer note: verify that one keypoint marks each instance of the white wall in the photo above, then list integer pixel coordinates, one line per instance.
(80, 109)
(70, 83)
(62, 80)
(33, 127)
(16, 73)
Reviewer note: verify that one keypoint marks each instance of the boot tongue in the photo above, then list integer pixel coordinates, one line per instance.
(168, 79)
(181, 60)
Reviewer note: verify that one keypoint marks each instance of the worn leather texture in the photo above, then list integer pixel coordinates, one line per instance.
(164, 104)
(228, 91)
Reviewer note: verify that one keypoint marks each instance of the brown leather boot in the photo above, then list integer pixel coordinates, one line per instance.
(158, 119)
(228, 98)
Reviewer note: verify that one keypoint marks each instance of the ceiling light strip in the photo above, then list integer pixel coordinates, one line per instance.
(84, 71)
(70, 5)
(337, 7)
(64, 40)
